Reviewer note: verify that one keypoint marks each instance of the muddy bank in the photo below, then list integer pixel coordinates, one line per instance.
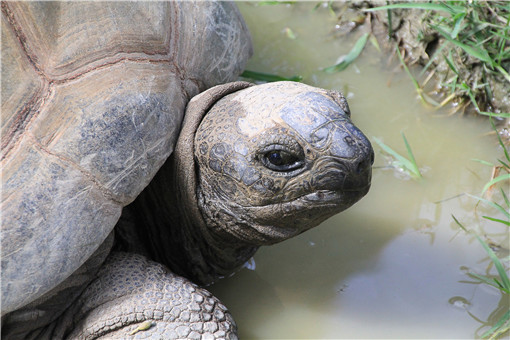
(452, 78)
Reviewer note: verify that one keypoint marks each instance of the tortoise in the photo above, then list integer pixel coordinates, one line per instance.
(101, 99)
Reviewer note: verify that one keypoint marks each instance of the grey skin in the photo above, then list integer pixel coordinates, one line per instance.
(252, 166)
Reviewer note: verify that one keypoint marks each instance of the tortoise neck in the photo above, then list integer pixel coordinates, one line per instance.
(170, 229)
(177, 234)
(210, 252)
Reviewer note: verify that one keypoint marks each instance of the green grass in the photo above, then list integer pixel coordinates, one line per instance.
(427, 6)
(264, 3)
(425, 99)
(502, 283)
(266, 77)
(408, 165)
(474, 33)
(353, 54)
(500, 178)
(504, 165)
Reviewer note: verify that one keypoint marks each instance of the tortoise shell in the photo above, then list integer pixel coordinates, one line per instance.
(93, 95)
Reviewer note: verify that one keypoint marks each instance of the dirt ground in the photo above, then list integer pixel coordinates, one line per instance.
(418, 43)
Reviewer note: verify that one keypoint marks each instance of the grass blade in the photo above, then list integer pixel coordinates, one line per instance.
(494, 181)
(407, 165)
(459, 224)
(505, 197)
(400, 159)
(471, 50)
(349, 57)
(373, 41)
(486, 280)
(491, 114)
(492, 204)
(504, 285)
(289, 33)
(505, 281)
(505, 165)
(482, 161)
(458, 25)
(264, 3)
(268, 77)
(450, 63)
(390, 24)
(497, 220)
(503, 72)
(507, 156)
(502, 326)
(425, 100)
(411, 157)
(415, 82)
(426, 6)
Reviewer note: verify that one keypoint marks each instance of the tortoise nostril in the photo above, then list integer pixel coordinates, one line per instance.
(365, 163)
(361, 166)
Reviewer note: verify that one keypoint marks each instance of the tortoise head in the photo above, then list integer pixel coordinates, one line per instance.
(277, 159)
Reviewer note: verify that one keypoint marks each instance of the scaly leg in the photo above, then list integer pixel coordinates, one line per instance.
(134, 298)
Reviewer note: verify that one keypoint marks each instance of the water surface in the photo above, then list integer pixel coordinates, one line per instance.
(394, 265)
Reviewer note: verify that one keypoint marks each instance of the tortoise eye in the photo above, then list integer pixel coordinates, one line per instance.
(280, 160)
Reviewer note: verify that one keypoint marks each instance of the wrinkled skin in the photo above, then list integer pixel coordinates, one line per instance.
(282, 150)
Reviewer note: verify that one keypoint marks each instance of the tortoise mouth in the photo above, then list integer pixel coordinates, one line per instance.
(336, 196)
(298, 215)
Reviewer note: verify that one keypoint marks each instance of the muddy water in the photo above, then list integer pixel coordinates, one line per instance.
(395, 265)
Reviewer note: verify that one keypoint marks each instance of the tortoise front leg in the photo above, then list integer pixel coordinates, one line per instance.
(134, 298)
